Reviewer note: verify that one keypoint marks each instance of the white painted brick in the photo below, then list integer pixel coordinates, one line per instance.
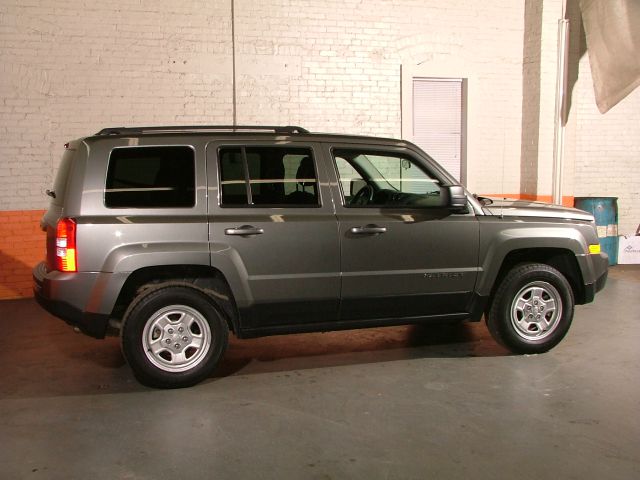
(607, 150)
(67, 70)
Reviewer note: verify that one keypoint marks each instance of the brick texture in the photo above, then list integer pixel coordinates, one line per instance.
(608, 151)
(69, 69)
(22, 246)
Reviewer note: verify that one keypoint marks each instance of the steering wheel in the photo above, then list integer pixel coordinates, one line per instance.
(363, 196)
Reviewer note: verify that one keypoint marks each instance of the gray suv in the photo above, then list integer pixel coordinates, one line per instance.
(172, 236)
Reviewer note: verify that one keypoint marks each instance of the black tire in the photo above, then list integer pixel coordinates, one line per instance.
(532, 309)
(173, 336)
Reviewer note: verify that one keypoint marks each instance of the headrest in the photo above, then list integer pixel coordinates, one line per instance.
(306, 172)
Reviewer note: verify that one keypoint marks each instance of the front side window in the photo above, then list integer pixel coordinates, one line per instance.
(151, 177)
(267, 176)
(383, 179)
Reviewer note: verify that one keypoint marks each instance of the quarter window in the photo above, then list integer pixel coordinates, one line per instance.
(151, 177)
(267, 176)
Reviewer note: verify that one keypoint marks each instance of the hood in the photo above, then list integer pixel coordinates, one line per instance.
(527, 208)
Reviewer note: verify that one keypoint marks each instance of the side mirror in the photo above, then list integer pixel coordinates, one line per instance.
(457, 197)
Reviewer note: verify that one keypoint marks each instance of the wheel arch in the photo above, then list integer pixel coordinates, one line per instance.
(519, 318)
(205, 279)
(562, 259)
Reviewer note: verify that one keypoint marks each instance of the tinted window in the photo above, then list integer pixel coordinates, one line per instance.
(233, 184)
(277, 176)
(151, 177)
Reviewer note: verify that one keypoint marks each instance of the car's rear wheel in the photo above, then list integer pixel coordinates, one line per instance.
(173, 336)
(532, 309)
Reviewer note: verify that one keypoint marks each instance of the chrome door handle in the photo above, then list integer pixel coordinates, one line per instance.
(368, 230)
(244, 230)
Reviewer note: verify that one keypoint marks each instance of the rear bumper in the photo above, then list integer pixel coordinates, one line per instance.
(48, 293)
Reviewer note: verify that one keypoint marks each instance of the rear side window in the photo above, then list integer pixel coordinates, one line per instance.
(151, 177)
(268, 176)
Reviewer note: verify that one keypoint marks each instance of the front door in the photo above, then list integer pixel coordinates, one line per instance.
(273, 229)
(402, 254)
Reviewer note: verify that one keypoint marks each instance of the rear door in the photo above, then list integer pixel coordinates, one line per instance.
(402, 255)
(273, 228)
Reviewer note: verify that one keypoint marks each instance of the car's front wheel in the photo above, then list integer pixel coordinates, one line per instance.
(173, 337)
(532, 309)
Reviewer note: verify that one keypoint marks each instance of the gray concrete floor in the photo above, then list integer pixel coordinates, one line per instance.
(408, 402)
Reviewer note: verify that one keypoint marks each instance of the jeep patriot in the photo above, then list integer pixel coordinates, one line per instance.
(171, 237)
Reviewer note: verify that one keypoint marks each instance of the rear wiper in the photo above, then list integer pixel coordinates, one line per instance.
(51, 193)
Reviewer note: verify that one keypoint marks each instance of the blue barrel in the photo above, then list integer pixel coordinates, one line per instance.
(605, 211)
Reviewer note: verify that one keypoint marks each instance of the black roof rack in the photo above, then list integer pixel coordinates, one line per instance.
(289, 129)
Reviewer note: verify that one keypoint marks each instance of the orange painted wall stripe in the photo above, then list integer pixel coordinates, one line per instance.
(22, 246)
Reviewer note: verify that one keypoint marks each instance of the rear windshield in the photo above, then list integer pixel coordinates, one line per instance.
(60, 184)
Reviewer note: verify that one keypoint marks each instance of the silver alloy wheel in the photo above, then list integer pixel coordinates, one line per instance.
(176, 338)
(536, 310)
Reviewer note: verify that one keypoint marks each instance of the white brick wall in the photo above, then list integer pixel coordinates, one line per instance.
(68, 69)
(608, 151)
(351, 53)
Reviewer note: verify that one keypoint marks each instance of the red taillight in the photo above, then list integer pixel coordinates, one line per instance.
(66, 246)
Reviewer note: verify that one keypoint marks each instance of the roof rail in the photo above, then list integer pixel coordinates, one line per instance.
(289, 129)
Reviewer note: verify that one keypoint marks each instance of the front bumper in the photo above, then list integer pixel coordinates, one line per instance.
(49, 292)
(601, 269)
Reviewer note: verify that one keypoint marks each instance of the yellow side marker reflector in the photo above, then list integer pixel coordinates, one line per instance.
(594, 248)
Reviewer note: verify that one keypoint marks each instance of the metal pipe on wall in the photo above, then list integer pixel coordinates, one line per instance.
(560, 111)
(233, 63)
